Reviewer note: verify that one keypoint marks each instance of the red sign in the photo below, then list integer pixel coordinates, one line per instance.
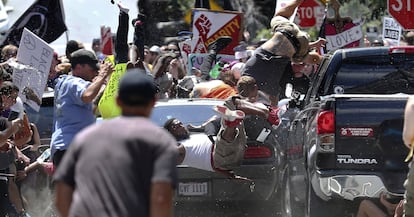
(306, 13)
(403, 12)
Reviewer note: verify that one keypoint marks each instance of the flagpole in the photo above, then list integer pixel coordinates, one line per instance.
(64, 19)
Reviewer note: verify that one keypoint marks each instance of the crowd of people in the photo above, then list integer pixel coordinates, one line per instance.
(82, 153)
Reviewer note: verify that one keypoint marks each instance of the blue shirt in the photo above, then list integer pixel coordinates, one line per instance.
(71, 114)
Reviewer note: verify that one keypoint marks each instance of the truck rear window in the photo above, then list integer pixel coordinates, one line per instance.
(376, 75)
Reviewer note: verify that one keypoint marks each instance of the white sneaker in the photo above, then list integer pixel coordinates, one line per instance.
(122, 7)
(229, 115)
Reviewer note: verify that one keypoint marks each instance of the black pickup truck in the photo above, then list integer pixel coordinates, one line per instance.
(345, 140)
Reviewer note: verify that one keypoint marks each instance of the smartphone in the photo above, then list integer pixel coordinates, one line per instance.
(13, 115)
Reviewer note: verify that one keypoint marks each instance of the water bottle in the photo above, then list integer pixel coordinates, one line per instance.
(215, 71)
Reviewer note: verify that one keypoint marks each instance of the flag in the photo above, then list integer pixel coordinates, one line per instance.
(322, 34)
(44, 18)
(106, 40)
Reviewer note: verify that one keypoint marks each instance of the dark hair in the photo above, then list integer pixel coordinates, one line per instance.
(7, 88)
(227, 76)
(168, 123)
(72, 46)
(8, 51)
(96, 41)
(246, 85)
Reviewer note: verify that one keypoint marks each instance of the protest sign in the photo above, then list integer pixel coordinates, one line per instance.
(209, 25)
(34, 58)
(349, 37)
(195, 60)
(107, 104)
(391, 31)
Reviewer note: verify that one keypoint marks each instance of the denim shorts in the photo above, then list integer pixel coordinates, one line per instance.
(267, 69)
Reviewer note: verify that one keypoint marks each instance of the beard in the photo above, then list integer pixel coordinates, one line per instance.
(183, 136)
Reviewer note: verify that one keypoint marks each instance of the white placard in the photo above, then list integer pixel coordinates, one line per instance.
(391, 31)
(37, 56)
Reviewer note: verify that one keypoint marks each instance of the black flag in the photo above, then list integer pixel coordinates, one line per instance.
(322, 33)
(44, 18)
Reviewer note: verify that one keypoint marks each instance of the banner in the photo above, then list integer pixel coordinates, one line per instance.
(107, 104)
(209, 25)
(44, 18)
(349, 36)
(30, 74)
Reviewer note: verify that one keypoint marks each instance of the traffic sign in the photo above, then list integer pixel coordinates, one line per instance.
(403, 12)
(307, 13)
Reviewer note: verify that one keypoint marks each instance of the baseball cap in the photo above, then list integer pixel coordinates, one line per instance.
(240, 55)
(84, 56)
(136, 88)
(155, 49)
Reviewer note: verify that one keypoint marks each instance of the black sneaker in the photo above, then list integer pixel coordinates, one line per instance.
(219, 44)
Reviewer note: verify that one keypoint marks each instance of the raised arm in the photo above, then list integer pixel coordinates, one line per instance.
(408, 130)
(289, 9)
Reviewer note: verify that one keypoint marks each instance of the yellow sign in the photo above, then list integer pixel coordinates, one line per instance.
(213, 6)
(107, 104)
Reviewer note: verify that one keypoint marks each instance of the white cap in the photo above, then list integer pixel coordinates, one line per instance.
(240, 55)
(237, 68)
(155, 49)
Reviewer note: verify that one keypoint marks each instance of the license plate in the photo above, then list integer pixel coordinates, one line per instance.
(192, 188)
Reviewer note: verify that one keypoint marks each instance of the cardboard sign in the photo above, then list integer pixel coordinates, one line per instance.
(195, 60)
(391, 31)
(36, 56)
(209, 25)
(349, 37)
(107, 104)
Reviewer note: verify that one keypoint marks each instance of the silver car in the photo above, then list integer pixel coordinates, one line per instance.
(263, 163)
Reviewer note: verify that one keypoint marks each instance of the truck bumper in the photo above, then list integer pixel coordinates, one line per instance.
(348, 187)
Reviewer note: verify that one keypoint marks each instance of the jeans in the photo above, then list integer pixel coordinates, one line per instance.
(121, 43)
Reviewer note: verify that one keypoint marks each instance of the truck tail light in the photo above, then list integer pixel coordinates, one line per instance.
(326, 131)
(402, 49)
(326, 122)
(257, 152)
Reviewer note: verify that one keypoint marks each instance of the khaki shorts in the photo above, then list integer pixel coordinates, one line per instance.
(409, 193)
(229, 155)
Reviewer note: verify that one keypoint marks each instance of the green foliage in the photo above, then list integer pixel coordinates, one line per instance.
(185, 5)
(355, 9)
(263, 34)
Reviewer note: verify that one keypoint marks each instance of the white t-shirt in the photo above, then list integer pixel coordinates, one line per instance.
(198, 152)
(18, 107)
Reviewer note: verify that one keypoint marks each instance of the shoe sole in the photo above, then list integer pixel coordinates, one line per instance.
(228, 114)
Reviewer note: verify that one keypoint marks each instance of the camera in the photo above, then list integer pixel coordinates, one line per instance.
(20, 165)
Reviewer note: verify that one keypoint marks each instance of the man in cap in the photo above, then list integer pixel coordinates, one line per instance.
(74, 94)
(128, 172)
(150, 55)
(287, 44)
